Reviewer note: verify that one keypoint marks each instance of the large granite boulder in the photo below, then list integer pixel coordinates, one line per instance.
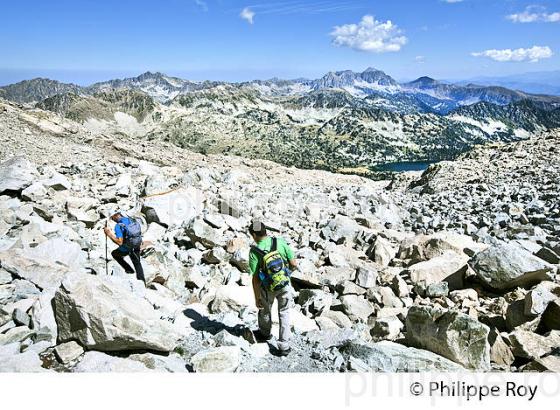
(219, 359)
(451, 334)
(449, 267)
(98, 362)
(175, 208)
(507, 266)
(43, 273)
(16, 174)
(391, 357)
(103, 315)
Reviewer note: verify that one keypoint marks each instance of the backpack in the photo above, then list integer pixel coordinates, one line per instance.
(275, 274)
(132, 234)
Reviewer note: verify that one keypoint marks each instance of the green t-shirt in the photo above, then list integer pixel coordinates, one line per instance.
(266, 244)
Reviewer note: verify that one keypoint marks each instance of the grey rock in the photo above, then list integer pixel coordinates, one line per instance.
(21, 318)
(89, 218)
(16, 174)
(551, 316)
(451, 334)
(382, 252)
(26, 362)
(173, 363)
(215, 256)
(42, 315)
(5, 277)
(341, 229)
(537, 300)
(449, 267)
(339, 318)
(232, 298)
(350, 288)
(43, 273)
(400, 287)
(388, 298)
(545, 364)
(34, 192)
(175, 208)
(60, 252)
(387, 328)
(390, 357)
(98, 362)
(529, 345)
(548, 255)
(123, 185)
(437, 290)
(68, 352)
(58, 182)
(338, 259)
(199, 231)
(426, 247)
(225, 338)
(335, 337)
(356, 307)
(500, 352)
(103, 315)
(16, 334)
(315, 301)
(366, 277)
(506, 266)
(215, 220)
(516, 315)
(220, 359)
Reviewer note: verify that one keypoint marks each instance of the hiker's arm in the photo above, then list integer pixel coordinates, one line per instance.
(293, 264)
(257, 291)
(253, 270)
(112, 237)
(291, 257)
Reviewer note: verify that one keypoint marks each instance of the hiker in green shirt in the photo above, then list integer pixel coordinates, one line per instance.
(270, 261)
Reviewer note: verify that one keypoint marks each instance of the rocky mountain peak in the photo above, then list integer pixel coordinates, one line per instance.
(348, 78)
(424, 82)
(37, 89)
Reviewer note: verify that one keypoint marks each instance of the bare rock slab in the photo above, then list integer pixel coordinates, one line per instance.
(507, 266)
(451, 334)
(102, 315)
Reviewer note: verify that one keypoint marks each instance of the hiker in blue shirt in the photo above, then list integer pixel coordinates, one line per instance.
(129, 238)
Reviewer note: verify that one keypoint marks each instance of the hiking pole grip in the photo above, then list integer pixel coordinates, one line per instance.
(106, 250)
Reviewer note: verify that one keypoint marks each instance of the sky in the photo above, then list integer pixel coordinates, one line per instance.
(84, 41)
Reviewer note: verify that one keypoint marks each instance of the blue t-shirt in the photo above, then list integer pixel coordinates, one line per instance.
(119, 231)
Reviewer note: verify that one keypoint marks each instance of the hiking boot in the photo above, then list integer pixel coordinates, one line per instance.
(260, 337)
(285, 352)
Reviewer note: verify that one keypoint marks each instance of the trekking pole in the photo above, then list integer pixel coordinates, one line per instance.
(106, 257)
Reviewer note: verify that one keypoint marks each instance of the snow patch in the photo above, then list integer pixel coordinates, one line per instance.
(490, 127)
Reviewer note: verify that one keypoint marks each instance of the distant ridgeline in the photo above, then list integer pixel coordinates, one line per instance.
(345, 121)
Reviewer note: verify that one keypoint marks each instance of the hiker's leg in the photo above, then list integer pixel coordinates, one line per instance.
(265, 319)
(135, 258)
(119, 257)
(284, 298)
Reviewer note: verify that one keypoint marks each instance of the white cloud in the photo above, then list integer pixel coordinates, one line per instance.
(420, 59)
(534, 14)
(533, 54)
(452, 1)
(202, 4)
(369, 35)
(247, 14)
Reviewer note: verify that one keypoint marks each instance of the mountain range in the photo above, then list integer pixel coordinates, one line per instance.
(345, 121)
(544, 82)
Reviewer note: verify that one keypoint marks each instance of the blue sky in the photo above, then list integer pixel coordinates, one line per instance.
(90, 40)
